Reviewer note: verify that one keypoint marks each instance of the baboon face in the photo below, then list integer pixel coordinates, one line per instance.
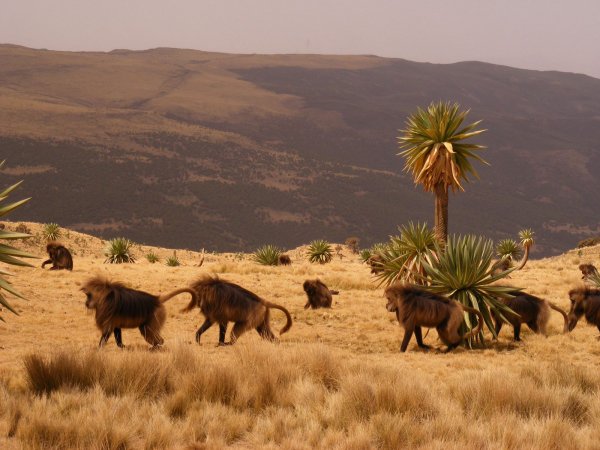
(91, 301)
(309, 288)
(392, 304)
(577, 298)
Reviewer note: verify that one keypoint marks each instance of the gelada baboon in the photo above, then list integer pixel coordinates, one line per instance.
(376, 263)
(584, 300)
(222, 302)
(319, 295)
(501, 265)
(587, 270)
(60, 257)
(416, 308)
(533, 311)
(284, 260)
(118, 306)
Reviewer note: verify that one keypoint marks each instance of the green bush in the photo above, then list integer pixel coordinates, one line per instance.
(173, 261)
(152, 257)
(319, 251)
(118, 251)
(51, 231)
(267, 255)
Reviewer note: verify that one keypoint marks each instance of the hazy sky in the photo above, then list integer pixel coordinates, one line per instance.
(535, 34)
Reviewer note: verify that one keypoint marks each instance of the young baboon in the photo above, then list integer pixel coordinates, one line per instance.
(416, 308)
(284, 260)
(587, 270)
(60, 257)
(319, 295)
(222, 302)
(118, 306)
(499, 266)
(584, 300)
(533, 311)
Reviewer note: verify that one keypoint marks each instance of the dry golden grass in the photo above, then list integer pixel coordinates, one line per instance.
(336, 380)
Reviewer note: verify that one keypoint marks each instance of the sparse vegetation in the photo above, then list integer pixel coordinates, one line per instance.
(509, 249)
(118, 251)
(319, 251)
(152, 257)
(173, 261)
(352, 244)
(51, 232)
(267, 255)
(437, 157)
(588, 242)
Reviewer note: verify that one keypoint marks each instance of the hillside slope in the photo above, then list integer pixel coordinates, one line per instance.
(192, 149)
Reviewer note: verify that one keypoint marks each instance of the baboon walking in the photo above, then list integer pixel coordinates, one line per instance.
(416, 308)
(118, 306)
(60, 257)
(533, 311)
(584, 300)
(222, 302)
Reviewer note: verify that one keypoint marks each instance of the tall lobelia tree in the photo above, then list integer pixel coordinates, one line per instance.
(437, 157)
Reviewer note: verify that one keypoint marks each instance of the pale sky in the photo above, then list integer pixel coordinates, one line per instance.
(532, 34)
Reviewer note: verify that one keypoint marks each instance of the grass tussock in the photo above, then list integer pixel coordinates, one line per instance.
(260, 395)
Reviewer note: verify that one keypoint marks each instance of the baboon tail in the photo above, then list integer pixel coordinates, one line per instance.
(477, 329)
(163, 298)
(564, 314)
(288, 325)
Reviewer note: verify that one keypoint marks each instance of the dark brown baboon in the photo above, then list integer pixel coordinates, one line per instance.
(587, 270)
(284, 260)
(584, 300)
(533, 311)
(376, 263)
(416, 308)
(319, 295)
(222, 302)
(118, 306)
(60, 257)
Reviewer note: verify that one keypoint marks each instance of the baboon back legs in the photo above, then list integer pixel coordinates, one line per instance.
(205, 326)
(265, 332)
(517, 327)
(222, 331)
(151, 336)
(118, 337)
(238, 329)
(419, 336)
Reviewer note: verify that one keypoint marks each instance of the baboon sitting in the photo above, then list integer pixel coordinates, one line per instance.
(222, 302)
(319, 295)
(416, 308)
(584, 300)
(499, 266)
(118, 306)
(587, 270)
(60, 257)
(284, 260)
(533, 311)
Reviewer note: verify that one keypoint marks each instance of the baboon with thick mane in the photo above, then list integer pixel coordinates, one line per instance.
(416, 308)
(584, 300)
(60, 257)
(587, 270)
(222, 302)
(118, 306)
(529, 309)
(319, 295)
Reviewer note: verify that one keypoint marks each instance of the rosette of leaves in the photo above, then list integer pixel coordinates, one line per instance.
(594, 279)
(267, 255)
(51, 231)
(319, 251)
(374, 250)
(119, 251)
(173, 261)
(152, 257)
(404, 255)
(509, 249)
(462, 271)
(9, 254)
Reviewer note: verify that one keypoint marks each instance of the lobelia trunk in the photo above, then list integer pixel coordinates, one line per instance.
(524, 259)
(441, 212)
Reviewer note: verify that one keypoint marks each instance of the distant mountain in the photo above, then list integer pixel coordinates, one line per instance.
(184, 148)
